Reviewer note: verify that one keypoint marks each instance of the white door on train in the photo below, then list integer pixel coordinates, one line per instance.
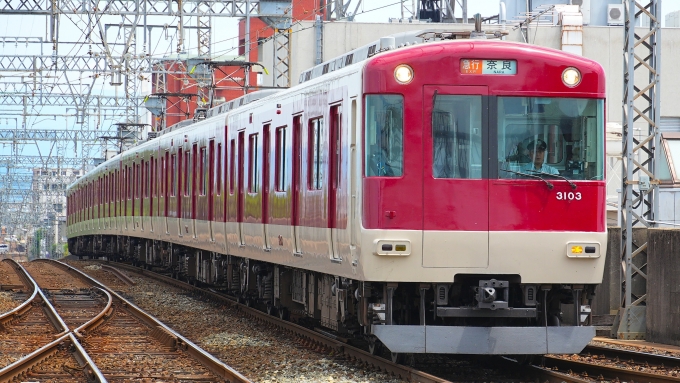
(296, 183)
(337, 213)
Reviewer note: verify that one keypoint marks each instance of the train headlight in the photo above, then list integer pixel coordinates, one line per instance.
(403, 74)
(571, 77)
(583, 250)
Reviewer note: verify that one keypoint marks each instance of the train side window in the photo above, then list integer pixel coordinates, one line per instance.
(457, 137)
(187, 174)
(253, 166)
(174, 189)
(232, 166)
(383, 141)
(129, 182)
(219, 169)
(280, 153)
(315, 172)
(139, 181)
(201, 172)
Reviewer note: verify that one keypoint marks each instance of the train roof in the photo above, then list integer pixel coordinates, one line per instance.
(391, 42)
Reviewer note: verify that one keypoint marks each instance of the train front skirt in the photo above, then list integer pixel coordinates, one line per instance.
(484, 340)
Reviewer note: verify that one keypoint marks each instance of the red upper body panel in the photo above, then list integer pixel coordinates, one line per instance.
(417, 201)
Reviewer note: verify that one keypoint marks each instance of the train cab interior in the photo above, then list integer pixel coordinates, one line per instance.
(563, 131)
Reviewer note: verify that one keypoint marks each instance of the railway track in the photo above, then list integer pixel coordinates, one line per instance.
(29, 325)
(612, 364)
(103, 338)
(434, 370)
(590, 366)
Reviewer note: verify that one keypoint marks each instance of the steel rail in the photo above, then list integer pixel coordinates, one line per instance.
(26, 363)
(97, 320)
(633, 356)
(128, 281)
(607, 372)
(23, 365)
(170, 336)
(404, 372)
(20, 310)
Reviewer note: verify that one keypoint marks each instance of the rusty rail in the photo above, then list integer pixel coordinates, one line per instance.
(168, 335)
(23, 365)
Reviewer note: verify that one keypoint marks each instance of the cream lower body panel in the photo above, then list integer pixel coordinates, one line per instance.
(537, 257)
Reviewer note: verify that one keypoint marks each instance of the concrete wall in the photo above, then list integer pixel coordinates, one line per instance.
(663, 289)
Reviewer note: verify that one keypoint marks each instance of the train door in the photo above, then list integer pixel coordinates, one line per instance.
(266, 144)
(153, 184)
(167, 176)
(240, 202)
(211, 187)
(296, 183)
(196, 177)
(181, 178)
(455, 177)
(335, 215)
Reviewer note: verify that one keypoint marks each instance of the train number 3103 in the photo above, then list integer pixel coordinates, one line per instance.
(568, 196)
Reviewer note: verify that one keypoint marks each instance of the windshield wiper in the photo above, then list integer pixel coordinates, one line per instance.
(550, 186)
(573, 185)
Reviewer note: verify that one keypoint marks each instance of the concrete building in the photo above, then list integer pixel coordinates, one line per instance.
(673, 20)
(49, 186)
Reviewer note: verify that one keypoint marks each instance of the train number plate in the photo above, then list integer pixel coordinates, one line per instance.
(569, 196)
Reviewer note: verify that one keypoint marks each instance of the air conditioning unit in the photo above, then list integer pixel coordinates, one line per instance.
(584, 7)
(616, 14)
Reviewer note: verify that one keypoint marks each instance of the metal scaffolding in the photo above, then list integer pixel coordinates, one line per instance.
(640, 185)
(70, 93)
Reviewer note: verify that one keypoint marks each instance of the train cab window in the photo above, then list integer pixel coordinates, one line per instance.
(280, 158)
(545, 137)
(457, 137)
(253, 166)
(315, 181)
(383, 139)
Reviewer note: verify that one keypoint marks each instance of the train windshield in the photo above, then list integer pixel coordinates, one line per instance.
(384, 136)
(558, 136)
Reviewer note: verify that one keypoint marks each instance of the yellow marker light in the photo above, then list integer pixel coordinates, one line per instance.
(400, 247)
(403, 74)
(571, 77)
(576, 250)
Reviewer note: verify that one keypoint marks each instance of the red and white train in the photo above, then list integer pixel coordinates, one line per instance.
(440, 197)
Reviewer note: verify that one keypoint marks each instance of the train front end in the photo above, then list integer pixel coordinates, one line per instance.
(483, 198)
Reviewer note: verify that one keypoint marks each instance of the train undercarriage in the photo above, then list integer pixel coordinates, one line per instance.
(476, 314)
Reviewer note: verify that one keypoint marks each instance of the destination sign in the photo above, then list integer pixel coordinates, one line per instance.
(474, 66)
